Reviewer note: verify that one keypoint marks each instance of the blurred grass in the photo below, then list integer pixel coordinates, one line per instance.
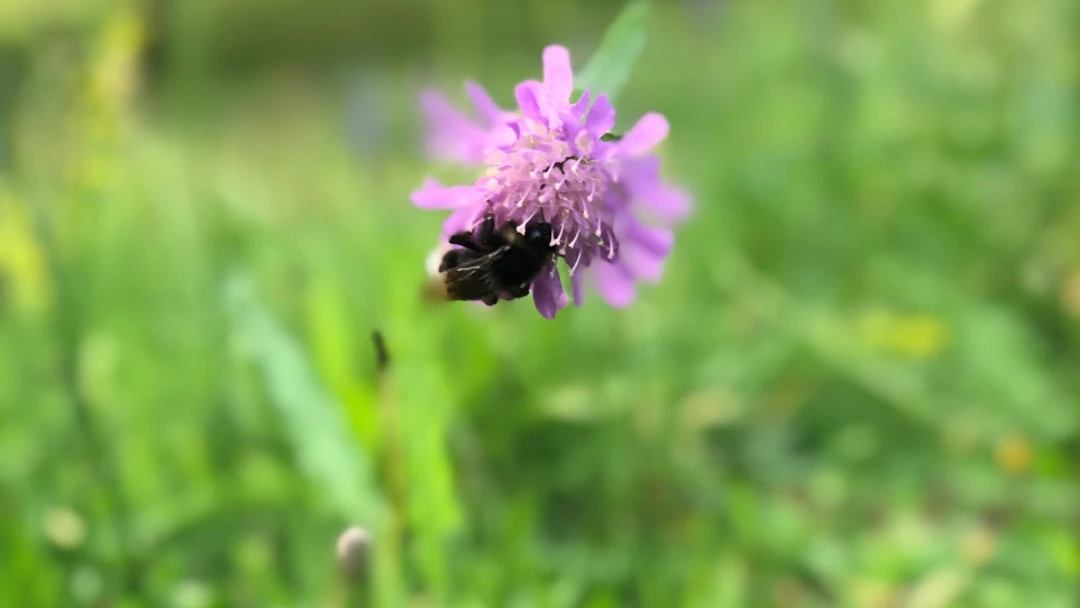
(856, 385)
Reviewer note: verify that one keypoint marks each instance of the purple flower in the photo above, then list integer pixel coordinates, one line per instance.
(550, 160)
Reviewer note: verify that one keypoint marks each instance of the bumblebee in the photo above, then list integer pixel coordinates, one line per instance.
(494, 262)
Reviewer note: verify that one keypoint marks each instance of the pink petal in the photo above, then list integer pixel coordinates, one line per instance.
(617, 196)
(548, 294)
(492, 113)
(502, 135)
(581, 106)
(571, 127)
(434, 195)
(576, 260)
(460, 219)
(657, 241)
(530, 99)
(642, 263)
(438, 108)
(614, 285)
(577, 287)
(452, 134)
(558, 74)
(642, 177)
(667, 203)
(645, 135)
(605, 150)
(601, 116)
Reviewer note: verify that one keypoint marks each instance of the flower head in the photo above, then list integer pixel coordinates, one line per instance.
(555, 159)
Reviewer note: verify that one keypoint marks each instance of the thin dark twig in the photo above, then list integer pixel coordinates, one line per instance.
(382, 356)
(100, 459)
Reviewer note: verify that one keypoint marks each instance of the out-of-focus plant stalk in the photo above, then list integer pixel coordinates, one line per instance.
(356, 554)
(391, 444)
(66, 322)
(99, 119)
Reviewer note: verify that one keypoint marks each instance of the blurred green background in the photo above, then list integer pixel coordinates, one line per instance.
(856, 386)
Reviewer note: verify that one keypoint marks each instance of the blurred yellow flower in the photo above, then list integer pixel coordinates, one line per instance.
(978, 545)
(1014, 455)
(939, 588)
(914, 336)
(22, 264)
(64, 527)
(113, 76)
(1070, 294)
(104, 110)
(948, 15)
(872, 592)
(708, 409)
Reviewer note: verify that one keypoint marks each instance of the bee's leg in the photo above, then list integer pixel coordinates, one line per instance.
(464, 239)
(490, 299)
(519, 291)
(489, 237)
(467, 239)
(487, 227)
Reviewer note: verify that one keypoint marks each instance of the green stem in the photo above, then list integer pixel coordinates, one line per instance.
(103, 469)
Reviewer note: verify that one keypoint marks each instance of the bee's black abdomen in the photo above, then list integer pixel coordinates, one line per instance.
(494, 263)
(517, 266)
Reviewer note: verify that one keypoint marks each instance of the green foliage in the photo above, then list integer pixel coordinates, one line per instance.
(312, 420)
(610, 67)
(855, 386)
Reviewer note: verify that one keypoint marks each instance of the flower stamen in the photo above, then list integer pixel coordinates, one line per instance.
(558, 239)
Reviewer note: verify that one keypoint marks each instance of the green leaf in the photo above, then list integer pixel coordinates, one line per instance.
(609, 68)
(312, 419)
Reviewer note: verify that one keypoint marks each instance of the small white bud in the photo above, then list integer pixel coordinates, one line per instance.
(352, 550)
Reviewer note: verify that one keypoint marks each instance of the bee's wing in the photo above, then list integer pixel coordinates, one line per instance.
(473, 280)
